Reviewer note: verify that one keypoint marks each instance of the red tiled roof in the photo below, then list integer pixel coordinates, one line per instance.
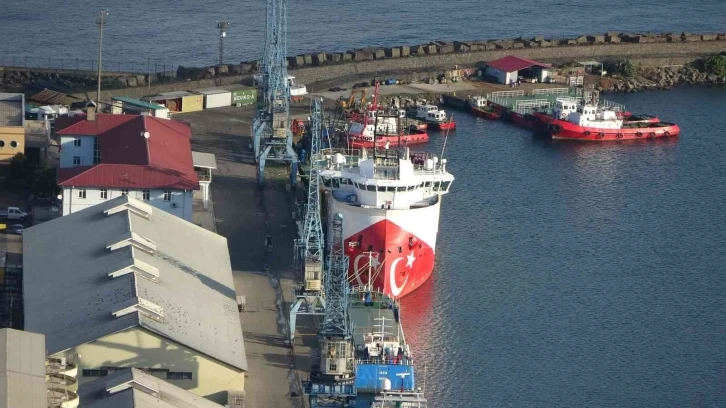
(130, 160)
(511, 63)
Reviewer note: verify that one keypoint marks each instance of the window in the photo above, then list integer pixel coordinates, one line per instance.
(445, 185)
(145, 194)
(125, 191)
(13, 144)
(167, 195)
(76, 141)
(2, 143)
(96, 151)
(95, 373)
(76, 160)
(82, 193)
(370, 188)
(332, 366)
(104, 194)
(172, 375)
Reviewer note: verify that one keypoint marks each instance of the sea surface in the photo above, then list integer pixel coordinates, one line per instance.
(580, 274)
(142, 33)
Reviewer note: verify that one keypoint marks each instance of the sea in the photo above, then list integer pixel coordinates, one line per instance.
(567, 274)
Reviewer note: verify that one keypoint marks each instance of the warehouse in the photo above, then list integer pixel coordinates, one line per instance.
(510, 68)
(129, 285)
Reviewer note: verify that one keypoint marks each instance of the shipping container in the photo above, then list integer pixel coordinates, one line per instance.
(192, 103)
(216, 97)
(244, 96)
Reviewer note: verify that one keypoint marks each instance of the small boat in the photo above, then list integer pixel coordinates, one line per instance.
(479, 107)
(590, 121)
(383, 128)
(434, 117)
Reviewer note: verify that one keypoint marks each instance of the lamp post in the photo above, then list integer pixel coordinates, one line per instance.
(101, 21)
(223, 27)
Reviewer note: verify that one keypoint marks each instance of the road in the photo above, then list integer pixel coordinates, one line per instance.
(245, 214)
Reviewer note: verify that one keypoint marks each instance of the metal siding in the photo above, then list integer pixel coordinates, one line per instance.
(247, 96)
(217, 100)
(192, 103)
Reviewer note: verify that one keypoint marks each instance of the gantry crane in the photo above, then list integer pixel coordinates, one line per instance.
(271, 134)
(310, 246)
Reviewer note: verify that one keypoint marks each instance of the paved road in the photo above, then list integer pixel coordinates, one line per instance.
(245, 215)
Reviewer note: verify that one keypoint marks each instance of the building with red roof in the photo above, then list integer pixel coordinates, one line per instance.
(105, 156)
(506, 70)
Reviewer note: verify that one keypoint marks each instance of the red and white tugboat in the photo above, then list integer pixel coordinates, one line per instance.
(434, 117)
(585, 121)
(390, 200)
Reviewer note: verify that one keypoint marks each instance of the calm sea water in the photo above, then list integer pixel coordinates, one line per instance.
(184, 31)
(580, 274)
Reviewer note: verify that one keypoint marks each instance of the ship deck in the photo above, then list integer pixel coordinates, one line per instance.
(366, 319)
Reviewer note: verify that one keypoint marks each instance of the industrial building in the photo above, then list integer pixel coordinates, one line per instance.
(12, 126)
(22, 369)
(106, 156)
(508, 69)
(134, 388)
(127, 285)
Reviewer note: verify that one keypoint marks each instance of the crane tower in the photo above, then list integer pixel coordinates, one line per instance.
(271, 134)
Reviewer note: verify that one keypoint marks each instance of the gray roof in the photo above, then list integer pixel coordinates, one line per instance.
(122, 264)
(212, 91)
(22, 369)
(206, 160)
(133, 388)
(12, 109)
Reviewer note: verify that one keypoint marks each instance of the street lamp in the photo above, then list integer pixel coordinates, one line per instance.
(101, 21)
(223, 27)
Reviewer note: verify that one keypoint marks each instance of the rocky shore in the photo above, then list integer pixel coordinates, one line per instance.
(659, 78)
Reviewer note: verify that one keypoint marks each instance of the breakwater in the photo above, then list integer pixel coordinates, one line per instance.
(649, 49)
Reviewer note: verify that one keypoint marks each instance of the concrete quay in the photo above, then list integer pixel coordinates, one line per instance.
(244, 214)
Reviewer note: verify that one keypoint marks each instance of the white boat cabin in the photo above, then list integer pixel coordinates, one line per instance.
(478, 101)
(588, 115)
(422, 111)
(437, 116)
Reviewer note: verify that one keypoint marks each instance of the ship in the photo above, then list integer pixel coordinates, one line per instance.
(435, 118)
(371, 366)
(593, 122)
(382, 128)
(479, 106)
(391, 200)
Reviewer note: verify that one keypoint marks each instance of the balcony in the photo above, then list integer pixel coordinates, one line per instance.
(60, 398)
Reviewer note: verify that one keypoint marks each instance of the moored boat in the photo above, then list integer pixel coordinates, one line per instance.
(589, 121)
(479, 107)
(435, 118)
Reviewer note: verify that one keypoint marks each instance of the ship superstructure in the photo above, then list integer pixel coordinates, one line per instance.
(391, 200)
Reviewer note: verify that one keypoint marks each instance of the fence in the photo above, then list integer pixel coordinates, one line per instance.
(135, 67)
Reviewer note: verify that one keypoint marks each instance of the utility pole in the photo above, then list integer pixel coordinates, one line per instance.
(101, 22)
(223, 27)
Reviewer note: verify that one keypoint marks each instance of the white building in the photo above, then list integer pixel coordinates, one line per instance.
(122, 284)
(106, 156)
(506, 70)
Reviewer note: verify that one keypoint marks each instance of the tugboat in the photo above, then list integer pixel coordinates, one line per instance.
(434, 117)
(589, 121)
(479, 107)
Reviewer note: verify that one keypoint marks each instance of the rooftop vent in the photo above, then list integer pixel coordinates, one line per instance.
(141, 306)
(133, 239)
(133, 206)
(137, 267)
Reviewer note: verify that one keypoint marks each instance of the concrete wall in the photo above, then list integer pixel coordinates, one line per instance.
(183, 200)
(8, 135)
(69, 150)
(137, 347)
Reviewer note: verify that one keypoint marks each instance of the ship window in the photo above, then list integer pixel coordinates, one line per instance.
(411, 188)
(400, 250)
(421, 185)
(370, 188)
(370, 248)
(326, 181)
(437, 185)
(427, 184)
(332, 366)
(336, 183)
(401, 188)
(445, 185)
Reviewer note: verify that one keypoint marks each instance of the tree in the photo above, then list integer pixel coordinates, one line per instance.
(45, 184)
(625, 68)
(716, 65)
(21, 172)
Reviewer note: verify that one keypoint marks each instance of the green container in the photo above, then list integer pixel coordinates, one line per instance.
(244, 96)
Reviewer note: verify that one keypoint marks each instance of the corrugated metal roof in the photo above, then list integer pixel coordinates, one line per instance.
(511, 63)
(132, 388)
(204, 160)
(48, 97)
(12, 111)
(212, 91)
(70, 296)
(131, 160)
(138, 103)
(22, 369)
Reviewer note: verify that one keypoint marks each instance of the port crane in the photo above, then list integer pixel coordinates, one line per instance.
(271, 134)
(310, 247)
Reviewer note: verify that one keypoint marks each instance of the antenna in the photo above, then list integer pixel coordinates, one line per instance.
(446, 137)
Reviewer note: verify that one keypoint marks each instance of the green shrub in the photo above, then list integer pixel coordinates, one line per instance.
(716, 65)
(625, 68)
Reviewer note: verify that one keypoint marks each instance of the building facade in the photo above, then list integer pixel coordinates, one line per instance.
(12, 126)
(106, 156)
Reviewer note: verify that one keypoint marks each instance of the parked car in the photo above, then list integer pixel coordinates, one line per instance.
(16, 229)
(13, 213)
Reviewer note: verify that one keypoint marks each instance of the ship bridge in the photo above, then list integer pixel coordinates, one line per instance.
(395, 180)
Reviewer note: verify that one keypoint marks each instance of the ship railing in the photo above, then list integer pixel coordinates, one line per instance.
(506, 94)
(612, 105)
(388, 361)
(551, 91)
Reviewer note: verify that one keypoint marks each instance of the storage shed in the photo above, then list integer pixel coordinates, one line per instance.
(122, 104)
(216, 97)
(178, 102)
(506, 70)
